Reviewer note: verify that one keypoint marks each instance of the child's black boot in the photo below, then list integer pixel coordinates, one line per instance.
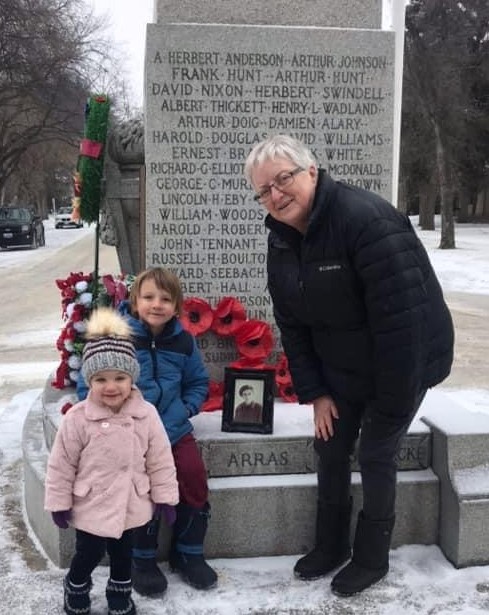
(147, 578)
(119, 598)
(187, 552)
(76, 597)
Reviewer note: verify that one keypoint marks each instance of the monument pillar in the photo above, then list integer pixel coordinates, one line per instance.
(220, 77)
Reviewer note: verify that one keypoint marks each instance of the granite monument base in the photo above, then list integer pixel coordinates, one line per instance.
(263, 488)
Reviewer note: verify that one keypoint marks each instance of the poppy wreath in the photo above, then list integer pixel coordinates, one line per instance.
(77, 302)
(253, 338)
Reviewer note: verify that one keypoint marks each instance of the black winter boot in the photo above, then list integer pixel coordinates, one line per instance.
(370, 562)
(76, 597)
(332, 546)
(187, 551)
(147, 578)
(119, 599)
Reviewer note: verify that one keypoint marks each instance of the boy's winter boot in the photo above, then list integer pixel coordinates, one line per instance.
(187, 551)
(370, 561)
(147, 578)
(76, 597)
(332, 546)
(119, 599)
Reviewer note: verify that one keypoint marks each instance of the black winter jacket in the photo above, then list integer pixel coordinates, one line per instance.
(359, 307)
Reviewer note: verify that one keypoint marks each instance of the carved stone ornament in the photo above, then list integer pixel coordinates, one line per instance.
(126, 142)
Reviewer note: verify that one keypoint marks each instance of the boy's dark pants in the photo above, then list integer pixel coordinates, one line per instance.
(193, 510)
(191, 473)
(192, 488)
(90, 550)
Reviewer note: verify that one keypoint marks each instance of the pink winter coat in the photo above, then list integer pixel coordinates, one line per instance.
(110, 468)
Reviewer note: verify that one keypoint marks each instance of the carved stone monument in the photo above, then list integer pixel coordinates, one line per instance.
(214, 88)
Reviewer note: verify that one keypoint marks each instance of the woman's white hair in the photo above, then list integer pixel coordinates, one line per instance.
(279, 146)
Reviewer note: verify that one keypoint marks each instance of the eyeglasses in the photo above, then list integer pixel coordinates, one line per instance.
(281, 181)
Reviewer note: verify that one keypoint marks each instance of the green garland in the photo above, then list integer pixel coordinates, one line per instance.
(91, 160)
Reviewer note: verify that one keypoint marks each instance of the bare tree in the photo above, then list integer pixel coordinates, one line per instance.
(445, 63)
(52, 56)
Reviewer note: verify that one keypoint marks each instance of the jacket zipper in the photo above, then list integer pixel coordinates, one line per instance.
(155, 371)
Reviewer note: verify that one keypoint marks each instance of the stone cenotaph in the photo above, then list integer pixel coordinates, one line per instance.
(220, 77)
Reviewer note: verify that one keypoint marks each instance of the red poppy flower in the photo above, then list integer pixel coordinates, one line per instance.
(212, 404)
(65, 407)
(229, 315)
(197, 316)
(254, 339)
(287, 393)
(214, 400)
(73, 278)
(116, 289)
(282, 374)
(61, 377)
(68, 334)
(121, 292)
(109, 284)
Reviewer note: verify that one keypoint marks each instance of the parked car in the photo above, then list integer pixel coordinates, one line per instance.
(62, 219)
(20, 226)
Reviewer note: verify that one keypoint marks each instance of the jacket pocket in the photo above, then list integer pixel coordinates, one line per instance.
(142, 485)
(81, 489)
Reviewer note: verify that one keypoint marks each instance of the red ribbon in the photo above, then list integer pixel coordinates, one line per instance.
(89, 148)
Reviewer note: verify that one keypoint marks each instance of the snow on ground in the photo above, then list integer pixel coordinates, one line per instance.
(421, 580)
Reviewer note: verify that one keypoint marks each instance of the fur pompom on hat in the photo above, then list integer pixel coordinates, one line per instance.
(108, 345)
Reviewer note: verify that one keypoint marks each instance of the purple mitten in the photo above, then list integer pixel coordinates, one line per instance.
(61, 518)
(168, 511)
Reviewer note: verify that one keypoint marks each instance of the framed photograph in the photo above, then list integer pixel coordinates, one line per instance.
(248, 400)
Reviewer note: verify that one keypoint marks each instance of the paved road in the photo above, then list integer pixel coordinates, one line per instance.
(30, 312)
(32, 308)
(471, 317)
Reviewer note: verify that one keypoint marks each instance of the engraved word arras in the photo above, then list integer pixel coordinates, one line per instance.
(242, 460)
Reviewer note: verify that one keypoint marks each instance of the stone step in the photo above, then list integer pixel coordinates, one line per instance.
(263, 487)
(255, 515)
(289, 450)
(258, 516)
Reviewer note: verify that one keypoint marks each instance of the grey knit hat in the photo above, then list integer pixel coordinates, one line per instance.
(108, 345)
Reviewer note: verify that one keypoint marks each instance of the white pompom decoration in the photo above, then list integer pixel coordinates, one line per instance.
(86, 299)
(81, 286)
(74, 362)
(69, 309)
(80, 326)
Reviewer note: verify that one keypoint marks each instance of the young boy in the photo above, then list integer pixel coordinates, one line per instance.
(111, 467)
(174, 379)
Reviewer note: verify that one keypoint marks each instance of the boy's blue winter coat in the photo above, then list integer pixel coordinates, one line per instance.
(173, 377)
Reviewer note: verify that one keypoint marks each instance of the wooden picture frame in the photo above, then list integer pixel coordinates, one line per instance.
(248, 400)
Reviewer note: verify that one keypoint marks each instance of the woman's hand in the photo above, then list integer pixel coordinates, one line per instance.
(324, 412)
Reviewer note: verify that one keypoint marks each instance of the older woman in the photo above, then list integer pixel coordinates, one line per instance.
(366, 332)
